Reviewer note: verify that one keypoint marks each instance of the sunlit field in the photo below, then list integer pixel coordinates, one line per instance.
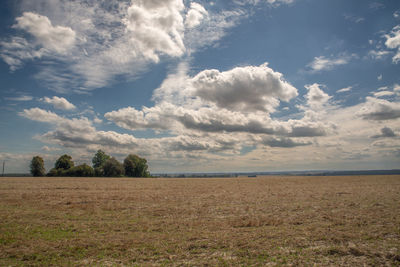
(350, 221)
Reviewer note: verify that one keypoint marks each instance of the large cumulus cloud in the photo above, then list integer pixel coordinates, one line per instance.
(251, 88)
(156, 27)
(237, 103)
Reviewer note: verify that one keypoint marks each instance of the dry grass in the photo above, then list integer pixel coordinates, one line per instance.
(197, 222)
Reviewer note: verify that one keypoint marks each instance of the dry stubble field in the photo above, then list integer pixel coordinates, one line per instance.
(353, 220)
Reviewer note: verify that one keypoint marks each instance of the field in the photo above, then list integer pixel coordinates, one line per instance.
(349, 221)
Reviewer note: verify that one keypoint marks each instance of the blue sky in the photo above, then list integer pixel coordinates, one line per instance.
(202, 86)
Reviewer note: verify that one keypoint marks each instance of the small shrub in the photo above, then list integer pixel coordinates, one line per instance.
(83, 170)
(56, 172)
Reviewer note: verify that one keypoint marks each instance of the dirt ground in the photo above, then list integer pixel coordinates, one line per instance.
(263, 221)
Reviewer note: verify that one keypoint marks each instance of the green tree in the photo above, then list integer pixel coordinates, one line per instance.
(56, 172)
(37, 166)
(64, 162)
(113, 168)
(99, 159)
(136, 166)
(83, 170)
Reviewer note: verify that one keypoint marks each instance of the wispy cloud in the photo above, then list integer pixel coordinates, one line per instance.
(273, 3)
(323, 63)
(121, 38)
(354, 18)
(378, 54)
(20, 98)
(50, 149)
(345, 89)
(383, 93)
(376, 5)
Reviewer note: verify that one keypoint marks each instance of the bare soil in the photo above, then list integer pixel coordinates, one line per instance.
(323, 221)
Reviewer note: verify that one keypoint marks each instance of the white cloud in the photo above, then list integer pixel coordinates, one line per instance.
(243, 88)
(212, 29)
(393, 42)
(37, 114)
(55, 38)
(195, 15)
(156, 27)
(383, 93)
(58, 102)
(148, 118)
(237, 101)
(212, 101)
(280, 1)
(396, 87)
(75, 132)
(273, 3)
(80, 134)
(380, 76)
(378, 54)
(97, 120)
(379, 109)
(316, 97)
(323, 63)
(345, 89)
(393, 39)
(50, 149)
(48, 40)
(18, 50)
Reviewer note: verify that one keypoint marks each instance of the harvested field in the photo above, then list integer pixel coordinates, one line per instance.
(347, 221)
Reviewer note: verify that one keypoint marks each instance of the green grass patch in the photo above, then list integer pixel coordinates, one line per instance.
(51, 234)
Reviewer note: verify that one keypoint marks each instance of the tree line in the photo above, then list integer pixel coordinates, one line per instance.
(103, 166)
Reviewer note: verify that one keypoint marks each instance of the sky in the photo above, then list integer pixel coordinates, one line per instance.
(202, 86)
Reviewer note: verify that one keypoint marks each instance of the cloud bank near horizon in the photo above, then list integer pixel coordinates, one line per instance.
(191, 126)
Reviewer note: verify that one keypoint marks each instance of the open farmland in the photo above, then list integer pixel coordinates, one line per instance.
(350, 221)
